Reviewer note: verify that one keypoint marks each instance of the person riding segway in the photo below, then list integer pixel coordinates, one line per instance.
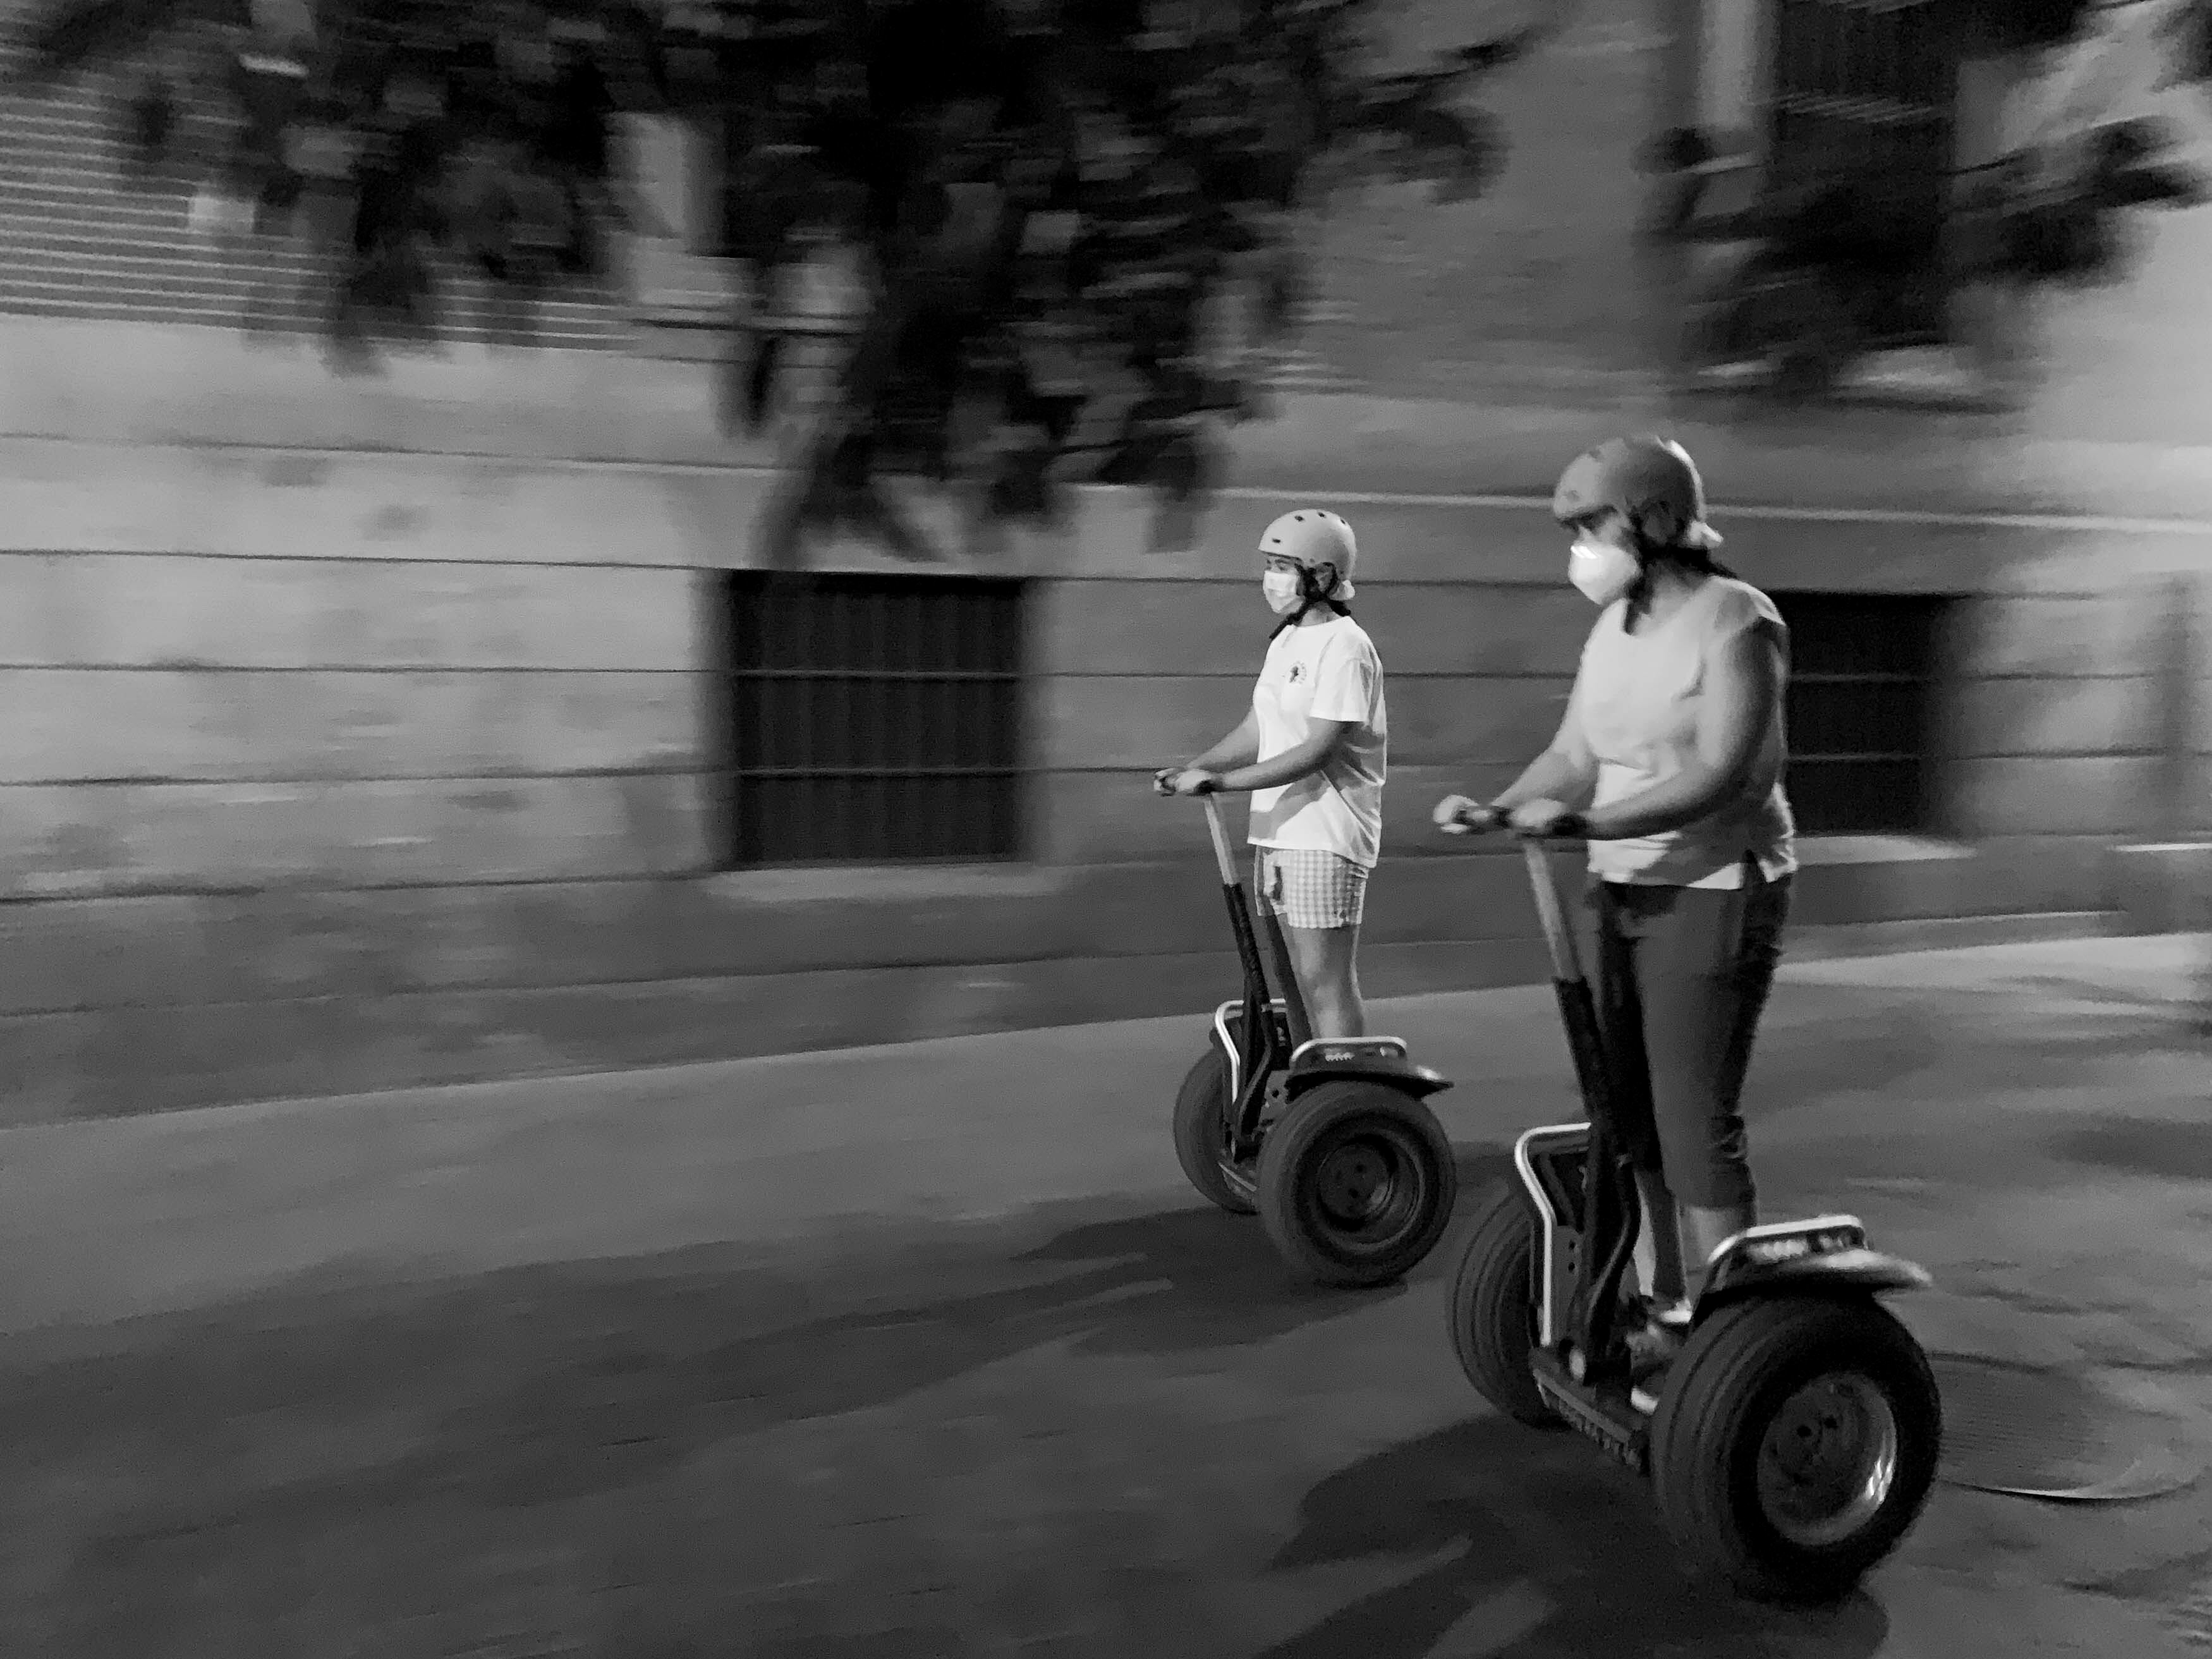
(1295, 1112)
(1789, 1424)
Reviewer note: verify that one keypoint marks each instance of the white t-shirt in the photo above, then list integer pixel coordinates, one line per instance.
(1638, 697)
(1328, 671)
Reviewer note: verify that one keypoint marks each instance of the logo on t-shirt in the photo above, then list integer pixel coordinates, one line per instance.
(1297, 673)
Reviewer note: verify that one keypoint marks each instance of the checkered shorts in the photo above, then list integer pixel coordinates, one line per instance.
(1310, 888)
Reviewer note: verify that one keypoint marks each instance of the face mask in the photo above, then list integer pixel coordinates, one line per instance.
(1602, 572)
(1281, 589)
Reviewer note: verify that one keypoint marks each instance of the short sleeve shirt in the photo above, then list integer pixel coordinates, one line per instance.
(1640, 695)
(1328, 671)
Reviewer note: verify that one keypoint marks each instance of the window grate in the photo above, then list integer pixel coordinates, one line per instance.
(1869, 86)
(873, 718)
(1865, 672)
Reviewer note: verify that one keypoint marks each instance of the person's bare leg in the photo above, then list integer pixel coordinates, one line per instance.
(1327, 960)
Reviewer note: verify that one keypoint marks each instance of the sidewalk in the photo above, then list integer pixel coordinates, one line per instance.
(116, 1218)
(929, 1351)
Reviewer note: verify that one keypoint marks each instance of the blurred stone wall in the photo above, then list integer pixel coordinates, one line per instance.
(348, 764)
(362, 734)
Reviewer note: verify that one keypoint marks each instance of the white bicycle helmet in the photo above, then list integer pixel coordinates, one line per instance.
(1313, 536)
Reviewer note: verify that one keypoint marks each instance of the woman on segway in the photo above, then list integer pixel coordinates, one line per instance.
(1669, 763)
(1312, 751)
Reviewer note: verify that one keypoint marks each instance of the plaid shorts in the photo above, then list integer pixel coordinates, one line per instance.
(1310, 888)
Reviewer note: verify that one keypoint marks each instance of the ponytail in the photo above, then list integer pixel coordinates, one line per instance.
(1312, 598)
(1697, 561)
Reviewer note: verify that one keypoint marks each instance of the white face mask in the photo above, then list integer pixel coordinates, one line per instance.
(1281, 589)
(1602, 571)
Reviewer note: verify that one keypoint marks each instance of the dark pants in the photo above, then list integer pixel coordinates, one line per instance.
(1682, 977)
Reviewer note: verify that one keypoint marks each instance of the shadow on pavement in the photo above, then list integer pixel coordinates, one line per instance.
(1198, 1279)
(1550, 1552)
(1863, 1045)
(328, 1456)
(2145, 1146)
(695, 1342)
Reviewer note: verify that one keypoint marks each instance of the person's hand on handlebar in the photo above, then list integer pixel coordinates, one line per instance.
(1461, 815)
(1546, 820)
(1535, 820)
(1186, 780)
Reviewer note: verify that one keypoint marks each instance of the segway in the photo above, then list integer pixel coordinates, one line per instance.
(1327, 1139)
(1792, 1439)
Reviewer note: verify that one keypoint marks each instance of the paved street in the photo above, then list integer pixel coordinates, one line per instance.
(927, 1351)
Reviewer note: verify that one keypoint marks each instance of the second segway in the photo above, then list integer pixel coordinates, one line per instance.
(1329, 1140)
(1792, 1439)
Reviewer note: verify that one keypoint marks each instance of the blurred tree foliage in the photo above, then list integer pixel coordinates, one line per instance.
(1079, 218)
(1839, 258)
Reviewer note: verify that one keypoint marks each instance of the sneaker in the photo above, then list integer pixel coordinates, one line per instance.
(1653, 1334)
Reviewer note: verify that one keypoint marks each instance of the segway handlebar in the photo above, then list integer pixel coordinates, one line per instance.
(1225, 858)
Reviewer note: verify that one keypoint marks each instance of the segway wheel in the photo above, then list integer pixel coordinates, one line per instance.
(1795, 1444)
(1201, 1132)
(1493, 1313)
(1356, 1183)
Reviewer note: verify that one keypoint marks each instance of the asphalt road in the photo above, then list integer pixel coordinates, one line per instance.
(928, 1352)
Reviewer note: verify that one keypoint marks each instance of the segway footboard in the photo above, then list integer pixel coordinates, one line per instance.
(1602, 1411)
(1553, 1164)
(1827, 1253)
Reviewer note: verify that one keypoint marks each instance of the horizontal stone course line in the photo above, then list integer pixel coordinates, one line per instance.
(1013, 870)
(147, 781)
(444, 670)
(1901, 518)
(1226, 675)
(221, 308)
(909, 876)
(675, 984)
(1525, 584)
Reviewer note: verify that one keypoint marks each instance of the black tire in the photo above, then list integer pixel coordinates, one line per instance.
(1201, 1132)
(1493, 1313)
(1729, 1387)
(1357, 1182)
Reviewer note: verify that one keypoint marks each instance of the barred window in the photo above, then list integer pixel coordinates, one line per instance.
(1863, 679)
(872, 719)
(1870, 88)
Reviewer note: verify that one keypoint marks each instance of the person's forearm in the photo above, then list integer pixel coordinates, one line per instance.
(1696, 792)
(1289, 767)
(1240, 748)
(1551, 777)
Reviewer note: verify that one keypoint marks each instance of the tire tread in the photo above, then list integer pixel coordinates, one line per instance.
(1283, 1153)
(1716, 1383)
(1200, 1104)
(1491, 1300)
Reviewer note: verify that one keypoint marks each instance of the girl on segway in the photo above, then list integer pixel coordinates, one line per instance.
(1312, 751)
(1669, 763)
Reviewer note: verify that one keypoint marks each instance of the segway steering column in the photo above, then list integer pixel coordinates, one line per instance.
(1248, 950)
(1611, 1212)
(1261, 1051)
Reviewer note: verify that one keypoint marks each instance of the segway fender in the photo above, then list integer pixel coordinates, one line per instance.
(1828, 1256)
(1368, 1060)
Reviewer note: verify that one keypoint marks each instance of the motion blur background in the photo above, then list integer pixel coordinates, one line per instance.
(439, 722)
